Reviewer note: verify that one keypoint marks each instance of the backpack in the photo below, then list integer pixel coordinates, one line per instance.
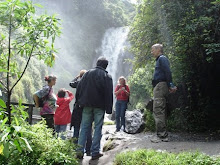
(42, 100)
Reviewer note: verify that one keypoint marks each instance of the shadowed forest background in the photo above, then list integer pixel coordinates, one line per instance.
(188, 30)
(34, 43)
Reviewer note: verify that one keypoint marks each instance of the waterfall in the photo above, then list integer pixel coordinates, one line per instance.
(113, 48)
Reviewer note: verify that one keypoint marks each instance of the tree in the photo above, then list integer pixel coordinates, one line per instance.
(190, 34)
(23, 34)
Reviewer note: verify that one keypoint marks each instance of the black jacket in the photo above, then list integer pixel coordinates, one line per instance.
(77, 110)
(95, 89)
(74, 82)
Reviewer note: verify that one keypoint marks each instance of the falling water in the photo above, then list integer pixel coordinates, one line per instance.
(72, 45)
(113, 48)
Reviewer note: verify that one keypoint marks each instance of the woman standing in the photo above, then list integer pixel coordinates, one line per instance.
(49, 100)
(122, 93)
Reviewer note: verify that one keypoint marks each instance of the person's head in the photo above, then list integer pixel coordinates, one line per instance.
(61, 93)
(51, 80)
(122, 80)
(102, 62)
(156, 50)
(81, 73)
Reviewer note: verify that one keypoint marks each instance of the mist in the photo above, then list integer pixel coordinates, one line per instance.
(86, 35)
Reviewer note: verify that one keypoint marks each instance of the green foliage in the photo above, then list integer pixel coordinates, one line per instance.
(22, 143)
(111, 13)
(31, 33)
(31, 81)
(151, 157)
(28, 35)
(109, 145)
(109, 123)
(11, 135)
(46, 149)
(190, 34)
(149, 121)
(140, 86)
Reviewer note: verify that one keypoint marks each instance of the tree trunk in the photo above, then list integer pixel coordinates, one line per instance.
(9, 107)
(8, 68)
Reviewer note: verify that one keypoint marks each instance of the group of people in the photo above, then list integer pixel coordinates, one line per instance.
(94, 98)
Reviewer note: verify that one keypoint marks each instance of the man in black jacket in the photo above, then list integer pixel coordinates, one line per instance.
(95, 94)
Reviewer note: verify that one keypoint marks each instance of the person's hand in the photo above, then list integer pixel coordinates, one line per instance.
(173, 89)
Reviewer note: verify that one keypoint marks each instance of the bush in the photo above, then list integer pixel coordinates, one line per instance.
(46, 149)
(149, 121)
(151, 157)
(140, 87)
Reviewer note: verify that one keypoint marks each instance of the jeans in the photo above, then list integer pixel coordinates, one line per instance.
(88, 140)
(120, 107)
(89, 115)
(61, 129)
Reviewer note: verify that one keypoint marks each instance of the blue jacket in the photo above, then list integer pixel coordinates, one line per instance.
(162, 71)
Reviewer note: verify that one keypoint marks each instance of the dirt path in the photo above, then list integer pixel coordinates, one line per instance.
(207, 144)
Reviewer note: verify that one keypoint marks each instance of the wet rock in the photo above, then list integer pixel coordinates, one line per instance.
(133, 121)
(109, 145)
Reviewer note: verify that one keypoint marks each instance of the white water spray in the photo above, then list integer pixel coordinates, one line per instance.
(113, 48)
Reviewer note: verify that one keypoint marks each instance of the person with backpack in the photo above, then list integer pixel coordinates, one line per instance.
(62, 115)
(46, 100)
(122, 93)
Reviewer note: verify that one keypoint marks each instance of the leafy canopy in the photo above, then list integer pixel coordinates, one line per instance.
(25, 34)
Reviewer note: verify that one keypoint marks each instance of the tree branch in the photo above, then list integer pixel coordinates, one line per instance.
(4, 86)
(24, 68)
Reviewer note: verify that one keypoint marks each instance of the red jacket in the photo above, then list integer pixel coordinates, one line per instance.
(62, 114)
(122, 95)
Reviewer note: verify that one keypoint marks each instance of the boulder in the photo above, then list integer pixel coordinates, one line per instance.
(133, 121)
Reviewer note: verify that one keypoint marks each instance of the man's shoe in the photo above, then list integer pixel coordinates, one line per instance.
(88, 153)
(164, 139)
(79, 155)
(155, 139)
(97, 156)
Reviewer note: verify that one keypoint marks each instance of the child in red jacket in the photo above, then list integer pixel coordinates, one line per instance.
(62, 115)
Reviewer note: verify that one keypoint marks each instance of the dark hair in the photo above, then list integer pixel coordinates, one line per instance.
(102, 62)
(61, 92)
(49, 78)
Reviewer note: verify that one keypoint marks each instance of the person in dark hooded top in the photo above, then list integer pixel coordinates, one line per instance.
(95, 94)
